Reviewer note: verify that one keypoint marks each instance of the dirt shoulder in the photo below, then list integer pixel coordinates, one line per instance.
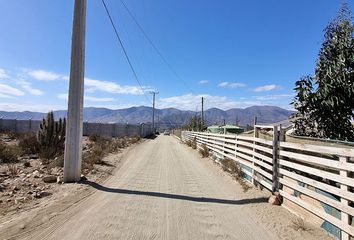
(22, 217)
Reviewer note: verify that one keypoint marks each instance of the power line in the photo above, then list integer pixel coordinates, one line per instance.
(125, 52)
(153, 45)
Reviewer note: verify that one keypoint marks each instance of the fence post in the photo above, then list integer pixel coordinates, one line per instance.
(275, 185)
(281, 134)
(255, 135)
(16, 125)
(1, 124)
(344, 216)
(30, 124)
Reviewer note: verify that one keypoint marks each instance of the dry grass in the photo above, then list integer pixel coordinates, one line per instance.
(13, 170)
(234, 169)
(9, 154)
(204, 151)
(119, 143)
(28, 142)
(99, 147)
(94, 137)
(135, 139)
(299, 225)
(194, 143)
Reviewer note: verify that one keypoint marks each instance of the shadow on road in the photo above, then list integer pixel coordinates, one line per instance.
(175, 196)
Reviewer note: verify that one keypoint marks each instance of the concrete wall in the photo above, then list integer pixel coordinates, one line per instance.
(102, 129)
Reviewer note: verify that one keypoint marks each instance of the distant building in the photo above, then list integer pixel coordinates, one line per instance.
(226, 129)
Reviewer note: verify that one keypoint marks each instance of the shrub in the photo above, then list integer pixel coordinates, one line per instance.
(100, 147)
(231, 166)
(9, 154)
(115, 145)
(94, 137)
(204, 151)
(234, 168)
(92, 157)
(118, 143)
(194, 143)
(29, 144)
(189, 143)
(135, 139)
(124, 142)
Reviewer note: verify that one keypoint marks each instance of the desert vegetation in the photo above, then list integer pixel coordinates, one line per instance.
(227, 164)
(194, 143)
(299, 224)
(98, 147)
(204, 151)
(235, 170)
(31, 161)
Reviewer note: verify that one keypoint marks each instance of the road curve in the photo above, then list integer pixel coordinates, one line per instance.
(162, 191)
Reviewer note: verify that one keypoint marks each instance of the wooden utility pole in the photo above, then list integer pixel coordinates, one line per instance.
(153, 108)
(202, 113)
(73, 143)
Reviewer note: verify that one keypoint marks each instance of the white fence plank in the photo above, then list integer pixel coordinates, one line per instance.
(339, 151)
(320, 185)
(319, 212)
(318, 196)
(318, 161)
(324, 174)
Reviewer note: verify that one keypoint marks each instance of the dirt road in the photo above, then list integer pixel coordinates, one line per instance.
(163, 190)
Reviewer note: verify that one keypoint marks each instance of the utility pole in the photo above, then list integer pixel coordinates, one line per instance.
(237, 120)
(153, 108)
(202, 113)
(196, 118)
(73, 142)
(158, 122)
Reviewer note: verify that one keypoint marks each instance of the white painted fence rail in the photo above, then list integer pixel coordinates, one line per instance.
(299, 172)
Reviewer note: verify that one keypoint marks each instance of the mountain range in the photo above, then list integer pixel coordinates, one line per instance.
(167, 117)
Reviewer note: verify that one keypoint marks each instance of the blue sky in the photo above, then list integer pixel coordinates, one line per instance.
(234, 53)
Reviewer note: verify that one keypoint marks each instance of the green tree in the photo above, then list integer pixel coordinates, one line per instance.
(325, 102)
(304, 123)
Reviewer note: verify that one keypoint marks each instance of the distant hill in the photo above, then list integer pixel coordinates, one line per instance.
(168, 116)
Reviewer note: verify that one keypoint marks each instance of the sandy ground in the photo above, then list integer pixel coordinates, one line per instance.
(162, 190)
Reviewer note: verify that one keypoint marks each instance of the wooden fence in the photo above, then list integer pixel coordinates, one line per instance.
(319, 179)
